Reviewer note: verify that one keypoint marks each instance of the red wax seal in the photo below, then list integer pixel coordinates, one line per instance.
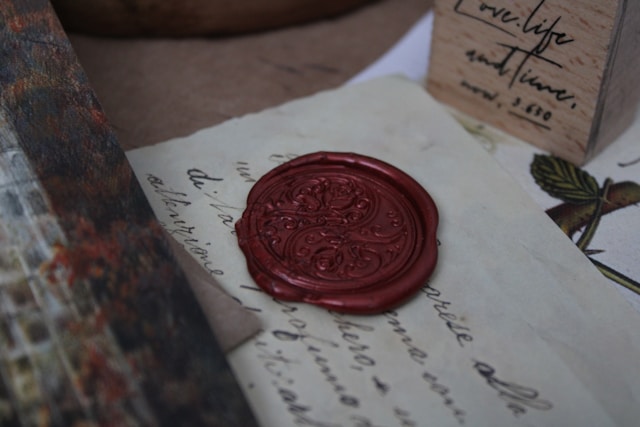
(340, 230)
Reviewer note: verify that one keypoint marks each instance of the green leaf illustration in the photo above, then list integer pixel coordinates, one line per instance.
(564, 181)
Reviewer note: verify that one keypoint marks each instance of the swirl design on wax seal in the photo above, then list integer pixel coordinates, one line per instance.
(331, 226)
(336, 227)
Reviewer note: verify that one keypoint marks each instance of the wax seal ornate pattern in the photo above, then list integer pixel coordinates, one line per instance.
(340, 230)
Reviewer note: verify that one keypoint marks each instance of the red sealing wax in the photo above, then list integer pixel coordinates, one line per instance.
(340, 230)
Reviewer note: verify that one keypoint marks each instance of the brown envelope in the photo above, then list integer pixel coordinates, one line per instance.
(231, 323)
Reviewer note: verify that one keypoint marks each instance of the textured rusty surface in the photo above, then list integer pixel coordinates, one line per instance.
(98, 325)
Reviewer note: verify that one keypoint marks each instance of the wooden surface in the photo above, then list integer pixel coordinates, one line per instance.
(539, 70)
(156, 89)
(621, 92)
(192, 17)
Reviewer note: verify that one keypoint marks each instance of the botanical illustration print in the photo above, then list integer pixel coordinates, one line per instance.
(583, 200)
(584, 203)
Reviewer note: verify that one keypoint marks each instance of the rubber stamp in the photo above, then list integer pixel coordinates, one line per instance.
(559, 75)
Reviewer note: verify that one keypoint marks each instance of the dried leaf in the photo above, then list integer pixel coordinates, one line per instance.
(564, 181)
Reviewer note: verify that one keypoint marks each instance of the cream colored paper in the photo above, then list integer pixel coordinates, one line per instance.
(515, 328)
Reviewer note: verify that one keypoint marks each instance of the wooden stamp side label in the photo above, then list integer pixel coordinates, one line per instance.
(533, 68)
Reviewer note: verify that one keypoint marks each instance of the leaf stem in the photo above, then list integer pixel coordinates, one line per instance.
(616, 276)
(591, 227)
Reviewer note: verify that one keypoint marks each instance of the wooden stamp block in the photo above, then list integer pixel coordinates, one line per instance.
(560, 75)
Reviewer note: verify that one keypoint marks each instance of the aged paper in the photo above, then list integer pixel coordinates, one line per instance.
(515, 327)
(616, 241)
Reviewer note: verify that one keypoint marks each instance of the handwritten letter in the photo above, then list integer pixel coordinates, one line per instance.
(515, 327)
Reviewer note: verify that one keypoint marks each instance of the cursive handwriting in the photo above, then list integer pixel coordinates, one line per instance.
(419, 356)
(382, 387)
(282, 158)
(298, 410)
(361, 421)
(515, 61)
(313, 346)
(404, 417)
(277, 365)
(506, 21)
(172, 201)
(416, 354)
(198, 177)
(243, 170)
(225, 211)
(350, 332)
(275, 362)
(445, 393)
(299, 326)
(171, 198)
(494, 17)
(489, 96)
(452, 321)
(518, 397)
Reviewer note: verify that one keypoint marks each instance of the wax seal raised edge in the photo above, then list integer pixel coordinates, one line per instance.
(384, 296)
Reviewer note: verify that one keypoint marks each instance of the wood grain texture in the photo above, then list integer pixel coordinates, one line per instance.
(541, 70)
